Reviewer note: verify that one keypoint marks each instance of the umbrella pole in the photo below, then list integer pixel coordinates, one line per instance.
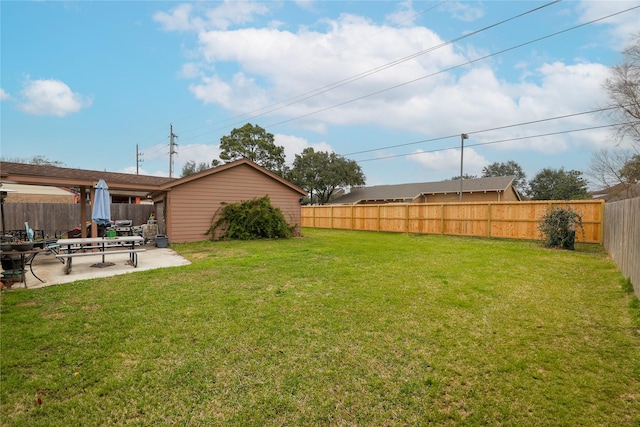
(2, 211)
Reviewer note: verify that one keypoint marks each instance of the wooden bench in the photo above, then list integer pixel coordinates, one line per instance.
(133, 256)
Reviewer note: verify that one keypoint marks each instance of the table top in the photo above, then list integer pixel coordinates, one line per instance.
(94, 240)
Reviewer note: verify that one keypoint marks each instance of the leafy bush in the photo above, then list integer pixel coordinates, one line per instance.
(559, 226)
(252, 219)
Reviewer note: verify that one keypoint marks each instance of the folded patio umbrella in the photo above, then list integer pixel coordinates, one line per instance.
(101, 213)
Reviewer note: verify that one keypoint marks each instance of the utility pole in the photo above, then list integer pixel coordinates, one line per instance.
(462, 138)
(172, 149)
(138, 160)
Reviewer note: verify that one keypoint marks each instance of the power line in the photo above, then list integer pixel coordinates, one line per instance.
(490, 142)
(481, 131)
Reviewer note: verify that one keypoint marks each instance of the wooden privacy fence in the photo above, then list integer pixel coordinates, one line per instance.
(622, 237)
(58, 218)
(518, 220)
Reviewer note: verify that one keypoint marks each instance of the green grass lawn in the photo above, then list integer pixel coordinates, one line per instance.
(336, 328)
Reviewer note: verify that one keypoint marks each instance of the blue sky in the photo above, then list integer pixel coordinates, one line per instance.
(84, 82)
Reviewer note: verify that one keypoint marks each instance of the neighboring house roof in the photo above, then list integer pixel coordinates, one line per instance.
(23, 173)
(219, 169)
(409, 192)
(37, 190)
(620, 191)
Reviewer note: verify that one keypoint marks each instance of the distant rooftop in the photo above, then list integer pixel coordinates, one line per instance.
(409, 192)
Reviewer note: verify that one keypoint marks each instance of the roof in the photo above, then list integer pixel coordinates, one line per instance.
(37, 189)
(218, 169)
(617, 192)
(408, 192)
(22, 173)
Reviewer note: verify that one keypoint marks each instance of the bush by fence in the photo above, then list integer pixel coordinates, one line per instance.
(517, 220)
(622, 237)
(58, 218)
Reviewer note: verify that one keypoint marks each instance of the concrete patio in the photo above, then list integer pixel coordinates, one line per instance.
(51, 270)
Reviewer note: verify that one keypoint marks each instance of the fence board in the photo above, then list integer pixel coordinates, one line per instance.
(517, 220)
(58, 218)
(622, 237)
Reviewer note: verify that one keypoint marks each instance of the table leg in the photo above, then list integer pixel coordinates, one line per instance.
(67, 268)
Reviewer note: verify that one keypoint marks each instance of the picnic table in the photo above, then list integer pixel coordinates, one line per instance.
(99, 246)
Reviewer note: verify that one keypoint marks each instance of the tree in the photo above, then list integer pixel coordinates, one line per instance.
(608, 168)
(464, 177)
(623, 91)
(35, 160)
(321, 173)
(631, 170)
(558, 184)
(509, 168)
(253, 143)
(190, 167)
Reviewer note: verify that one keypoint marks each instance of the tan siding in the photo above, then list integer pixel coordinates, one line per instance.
(193, 204)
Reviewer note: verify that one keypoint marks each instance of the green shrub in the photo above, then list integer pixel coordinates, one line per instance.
(252, 219)
(558, 227)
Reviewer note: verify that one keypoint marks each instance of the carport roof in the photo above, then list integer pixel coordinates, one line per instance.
(22, 173)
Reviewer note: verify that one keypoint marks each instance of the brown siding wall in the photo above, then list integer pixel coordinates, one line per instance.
(192, 205)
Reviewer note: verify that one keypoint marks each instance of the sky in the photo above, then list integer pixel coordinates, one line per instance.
(390, 84)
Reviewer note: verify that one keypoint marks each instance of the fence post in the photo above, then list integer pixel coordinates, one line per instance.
(489, 220)
(406, 218)
(441, 218)
(602, 223)
(352, 222)
(331, 215)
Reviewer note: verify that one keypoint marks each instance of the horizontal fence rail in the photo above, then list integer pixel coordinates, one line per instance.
(55, 219)
(622, 237)
(517, 220)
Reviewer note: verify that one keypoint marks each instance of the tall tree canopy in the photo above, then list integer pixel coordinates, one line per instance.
(509, 168)
(321, 173)
(623, 90)
(558, 184)
(253, 143)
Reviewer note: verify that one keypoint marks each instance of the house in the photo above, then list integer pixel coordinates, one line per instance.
(494, 189)
(617, 192)
(183, 207)
(188, 205)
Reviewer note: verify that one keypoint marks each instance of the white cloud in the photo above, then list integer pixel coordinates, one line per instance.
(287, 64)
(404, 16)
(4, 95)
(185, 18)
(449, 160)
(466, 12)
(51, 98)
(178, 20)
(295, 145)
(621, 26)
(269, 65)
